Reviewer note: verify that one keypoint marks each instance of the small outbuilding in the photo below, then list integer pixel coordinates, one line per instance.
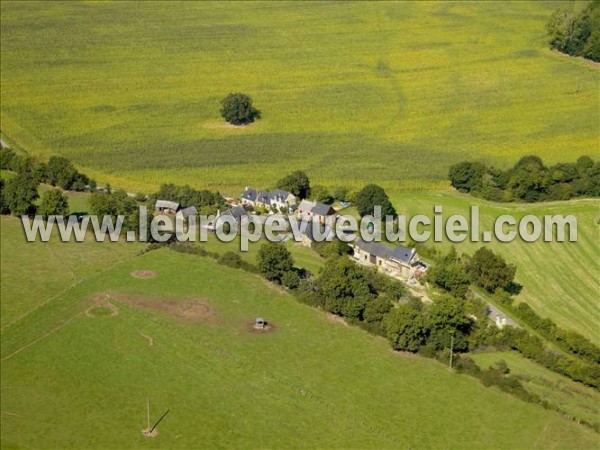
(166, 206)
(260, 323)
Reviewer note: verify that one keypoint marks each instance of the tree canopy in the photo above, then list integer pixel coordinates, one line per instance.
(297, 183)
(370, 196)
(490, 271)
(54, 203)
(576, 34)
(274, 261)
(237, 109)
(19, 194)
(528, 180)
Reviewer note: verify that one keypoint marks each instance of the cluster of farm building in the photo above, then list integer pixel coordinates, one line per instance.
(399, 261)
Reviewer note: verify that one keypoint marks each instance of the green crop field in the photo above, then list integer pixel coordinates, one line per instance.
(560, 280)
(352, 92)
(75, 375)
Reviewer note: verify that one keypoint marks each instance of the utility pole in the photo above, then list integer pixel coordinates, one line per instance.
(148, 413)
(451, 349)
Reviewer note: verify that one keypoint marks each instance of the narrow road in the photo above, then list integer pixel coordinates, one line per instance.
(497, 316)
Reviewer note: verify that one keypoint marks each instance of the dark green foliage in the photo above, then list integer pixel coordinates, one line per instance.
(489, 270)
(370, 196)
(448, 324)
(345, 288)
(116, 204)
(340, 193)
(290, 279)
(54, 202)
(206, 201)
(321, 194)
(62, 173)
(274, 260)
(467, 176)
(231, 259)
(529, 180)
(331, 249)
(19, 195)
(237, 109)
(576, 34)
(406, 328)
(449, 274)
(297, 183)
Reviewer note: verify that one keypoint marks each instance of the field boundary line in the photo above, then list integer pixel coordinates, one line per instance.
(42, 337)
(59, 294)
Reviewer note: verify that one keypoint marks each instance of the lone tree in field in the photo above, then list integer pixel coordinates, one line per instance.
(238, 110)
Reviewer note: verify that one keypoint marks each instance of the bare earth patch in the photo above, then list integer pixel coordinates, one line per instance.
(143, 274)
(336, 319)
(226, 125)
(190, 310)
(251, 328)
(102, 307)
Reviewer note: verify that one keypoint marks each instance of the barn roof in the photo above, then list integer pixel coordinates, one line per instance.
(166, 204)
(322, 209)
(238, 212)
(189, 211)
(399, 253)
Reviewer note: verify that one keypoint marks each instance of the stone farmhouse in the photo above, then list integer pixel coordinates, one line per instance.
(318, 211)
(278, 198)
(399, 262)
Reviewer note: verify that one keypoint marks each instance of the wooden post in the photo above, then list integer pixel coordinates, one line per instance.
(451, 349)
(148, 413)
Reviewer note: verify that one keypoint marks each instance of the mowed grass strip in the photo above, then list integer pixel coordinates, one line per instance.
(308, 383)
(560, 280)
(352, 93)
(573, 398)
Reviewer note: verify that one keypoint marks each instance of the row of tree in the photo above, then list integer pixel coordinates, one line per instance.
(58, 171)
(206, 201)
(454, 275)
(528, 180)
(576, 34)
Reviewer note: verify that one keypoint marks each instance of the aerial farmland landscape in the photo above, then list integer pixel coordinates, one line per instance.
(149, 151)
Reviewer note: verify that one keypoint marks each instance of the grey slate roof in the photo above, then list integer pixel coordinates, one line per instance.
(322, 209)
(399, 253)
(166, 204)
(238, 212)
(189, 211)
(250, 194)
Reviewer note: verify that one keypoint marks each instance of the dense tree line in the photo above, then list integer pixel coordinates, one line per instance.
(19, 195)
(58, 171)
(118, 203)
(491, 272)
(207, 202)
(528, 180)
(576, 34)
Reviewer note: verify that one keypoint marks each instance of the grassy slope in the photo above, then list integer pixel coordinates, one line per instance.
(575, 399)
(560, 280)
(310, 383)
(35, 273)
(393, 92)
